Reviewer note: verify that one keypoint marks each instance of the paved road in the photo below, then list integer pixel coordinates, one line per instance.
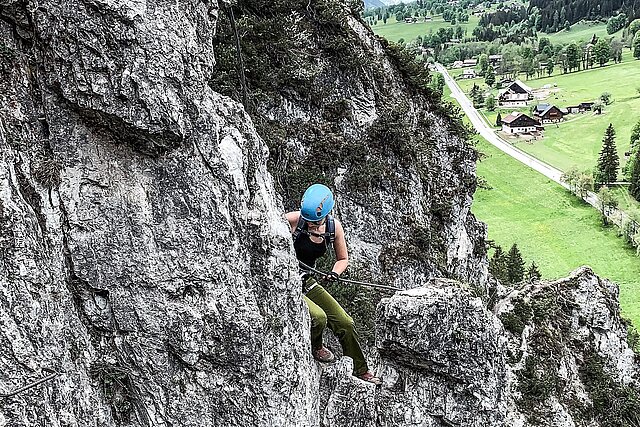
(487, 133)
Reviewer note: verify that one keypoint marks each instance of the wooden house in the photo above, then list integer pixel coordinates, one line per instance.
(517, 122)
(517, 94)
(547, 113)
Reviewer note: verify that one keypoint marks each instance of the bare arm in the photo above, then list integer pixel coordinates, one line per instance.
(292, 217)
(340, 246)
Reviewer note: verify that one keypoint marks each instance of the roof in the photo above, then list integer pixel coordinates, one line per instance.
(519, 119)
(547, 108)
(521, 85)
(541, 107)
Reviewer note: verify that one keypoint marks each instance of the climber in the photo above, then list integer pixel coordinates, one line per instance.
(314, 230)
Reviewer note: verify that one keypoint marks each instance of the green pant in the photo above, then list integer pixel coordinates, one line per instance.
(325, 310)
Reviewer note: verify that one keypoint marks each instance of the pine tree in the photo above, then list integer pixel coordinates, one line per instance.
(491, 78)
(533, 274)
(498, 265)
(515, 265)
(607, 169)
(634, 188)
(499, 120)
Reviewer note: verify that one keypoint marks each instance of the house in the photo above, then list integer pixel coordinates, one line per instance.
(458, 64)
(428, 19)
(495, 59)
(517, 122)
(515, 95)
(585, 106)
(468, 73)
(573, 109)
(409, 20)
(470, 62)
(547, 113)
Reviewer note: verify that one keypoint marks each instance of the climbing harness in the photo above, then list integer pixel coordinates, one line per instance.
(28, 386)
(353, 282)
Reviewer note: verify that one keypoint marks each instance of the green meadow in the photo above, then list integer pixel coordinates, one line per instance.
(394, 30)
(552, 227)
(582, 31)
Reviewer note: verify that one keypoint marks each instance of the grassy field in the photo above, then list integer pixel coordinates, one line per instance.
(582, 31)
(395, 31)
(552, 227)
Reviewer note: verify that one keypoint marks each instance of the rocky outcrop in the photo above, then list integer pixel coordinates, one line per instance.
(552, 354)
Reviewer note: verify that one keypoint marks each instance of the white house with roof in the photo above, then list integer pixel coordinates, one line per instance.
(518, 122)
(517, 94)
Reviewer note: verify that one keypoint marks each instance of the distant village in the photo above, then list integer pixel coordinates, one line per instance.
(515, 94)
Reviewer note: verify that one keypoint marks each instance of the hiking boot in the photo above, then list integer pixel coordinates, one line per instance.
(370, 378)
(324, 355)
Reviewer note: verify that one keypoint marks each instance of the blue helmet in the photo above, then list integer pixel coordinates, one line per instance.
(316, 203)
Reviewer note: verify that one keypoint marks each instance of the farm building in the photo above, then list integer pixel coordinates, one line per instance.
(517, 122)
(547, 113)
(469, 73)
(515, 95)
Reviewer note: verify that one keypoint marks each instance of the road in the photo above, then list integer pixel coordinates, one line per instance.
(478, 122)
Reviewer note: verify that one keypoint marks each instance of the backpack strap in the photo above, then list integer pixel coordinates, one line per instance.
(300, 228)
(330, 231)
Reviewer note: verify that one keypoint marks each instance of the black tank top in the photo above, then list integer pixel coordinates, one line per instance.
(307, 251)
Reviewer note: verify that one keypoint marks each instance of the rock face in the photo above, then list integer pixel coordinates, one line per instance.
(146, 270)
(144, 257)
(336, 104)
(553, 354)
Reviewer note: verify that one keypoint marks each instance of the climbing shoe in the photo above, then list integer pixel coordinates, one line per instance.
(324, 355)
(370, 378)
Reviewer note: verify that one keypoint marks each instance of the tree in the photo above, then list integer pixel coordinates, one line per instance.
(616, 50)
(634, 27)
(437, 83)
(573, 56)
(584, 184)
(636, 46)
(634, 188)
(490, 79)
(543, 43)
(483, 64)
(550, 65)
(533, 274)
(498, 265)
(499, 120)
(606, 202)
(602, 51)
(635, 136)
(490, 103)
(571, 178)
(515, 265)
(597, 106)
(605, 97)
(608, 162)
(475, 90)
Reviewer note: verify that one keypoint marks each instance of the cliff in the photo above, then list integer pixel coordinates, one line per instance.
(146, 265)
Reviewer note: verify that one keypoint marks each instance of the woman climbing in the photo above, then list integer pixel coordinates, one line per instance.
(314, 230)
